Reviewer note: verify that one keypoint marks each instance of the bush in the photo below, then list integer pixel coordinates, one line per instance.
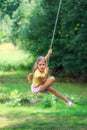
(49, 100)
(15, 97)
(80, 100)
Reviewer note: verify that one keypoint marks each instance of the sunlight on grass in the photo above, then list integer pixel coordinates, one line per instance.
(13, 73)
(12, 58)
(7, 73)
(3, 122)
(9, 54)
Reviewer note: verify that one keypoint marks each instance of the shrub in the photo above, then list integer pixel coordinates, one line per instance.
(15, 97)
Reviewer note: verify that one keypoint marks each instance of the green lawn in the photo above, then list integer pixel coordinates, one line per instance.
(20, 110)
(37, 117)
(13, 58)
(9, 54)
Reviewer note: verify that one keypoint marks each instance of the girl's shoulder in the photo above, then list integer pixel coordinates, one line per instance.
(36, 71)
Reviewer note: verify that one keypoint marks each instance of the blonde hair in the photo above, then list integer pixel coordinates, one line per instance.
(40, 58)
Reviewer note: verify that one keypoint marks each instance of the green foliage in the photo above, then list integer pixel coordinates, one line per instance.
(49, 100)
(73, 37)
(21, 65)
(9, 6)
(82, 100)
(15, 98)
(5, 28)
(2, 35)
(28, 33)
(32, 28)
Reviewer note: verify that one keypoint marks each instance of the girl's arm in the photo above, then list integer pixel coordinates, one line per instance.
(48, 54)
(43, 79)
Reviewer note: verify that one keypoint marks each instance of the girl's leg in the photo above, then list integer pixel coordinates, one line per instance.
(57, 94)
(48, 83)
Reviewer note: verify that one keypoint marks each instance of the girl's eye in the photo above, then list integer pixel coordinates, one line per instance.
(41, 64)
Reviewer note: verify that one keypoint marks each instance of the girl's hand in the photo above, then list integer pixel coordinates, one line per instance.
(50, 52)
(30, 77)
(47, 70)
(43, 79)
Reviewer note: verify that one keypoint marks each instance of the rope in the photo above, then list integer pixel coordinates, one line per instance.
(55, 23)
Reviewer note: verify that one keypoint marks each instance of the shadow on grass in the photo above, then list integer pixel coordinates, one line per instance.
(13, 77)
(62, 119)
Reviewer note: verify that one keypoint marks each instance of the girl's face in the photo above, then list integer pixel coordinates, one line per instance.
(41, 65)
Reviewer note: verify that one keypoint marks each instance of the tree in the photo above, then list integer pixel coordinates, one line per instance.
(9, 6)
(73, 33)
(69, 47)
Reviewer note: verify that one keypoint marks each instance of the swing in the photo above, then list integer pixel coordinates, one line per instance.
(30, 76)
(58, 11)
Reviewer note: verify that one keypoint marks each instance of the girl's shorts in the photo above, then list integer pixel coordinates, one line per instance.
(35, 89)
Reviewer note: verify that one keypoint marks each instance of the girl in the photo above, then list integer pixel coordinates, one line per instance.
(40, 80)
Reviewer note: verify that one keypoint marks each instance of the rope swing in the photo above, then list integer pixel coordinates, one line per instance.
(55, 23)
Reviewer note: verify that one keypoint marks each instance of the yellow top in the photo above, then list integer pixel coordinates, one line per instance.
(37, 74)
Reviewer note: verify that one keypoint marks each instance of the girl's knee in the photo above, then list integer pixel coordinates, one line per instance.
(52, 78)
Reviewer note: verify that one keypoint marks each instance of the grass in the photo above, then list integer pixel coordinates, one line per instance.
(10, 54)
(12, 58)
(36, 117)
